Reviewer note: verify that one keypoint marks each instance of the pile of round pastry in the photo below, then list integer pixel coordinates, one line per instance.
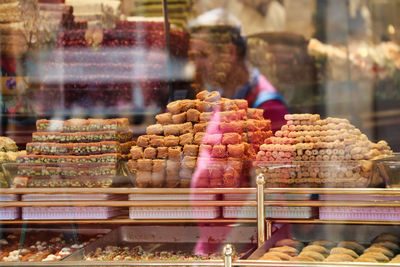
(306, 137)
(384, 248)
(208, 138)
(329, 152)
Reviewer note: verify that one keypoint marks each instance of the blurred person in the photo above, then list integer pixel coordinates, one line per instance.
(256, 15)
(218, 51)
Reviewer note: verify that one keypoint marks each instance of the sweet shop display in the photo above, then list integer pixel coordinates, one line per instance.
(58, 16)
(319, 153)
(367, 61)
(139, 158)
(36, 246)
(383, 249)
(283, 58)
(69, 154)
(137, 33)
(178, 11)
(209, 138)
(12, 32)
(120, 68)
(55, 16)
(95, 13)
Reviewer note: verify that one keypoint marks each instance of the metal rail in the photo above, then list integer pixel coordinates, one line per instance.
(133, 203)
(318, 221)
(321, 191)
(130, 221)
(52, 191)
(316, 203)
(260, 210)
(201, 263)
(334, 191)
(116, 263)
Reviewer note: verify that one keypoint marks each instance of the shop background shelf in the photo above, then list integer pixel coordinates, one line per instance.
(156, 191)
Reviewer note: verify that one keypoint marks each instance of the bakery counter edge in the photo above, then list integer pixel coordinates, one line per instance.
(321, 191)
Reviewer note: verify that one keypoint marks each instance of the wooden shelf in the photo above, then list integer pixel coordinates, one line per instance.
(321, 191)
(335, 191)
(198, 203)
(214, 203)
(130, 221)
(318, 221)
(118, 263)
(128, 191)
(135, 203)
(319, 203)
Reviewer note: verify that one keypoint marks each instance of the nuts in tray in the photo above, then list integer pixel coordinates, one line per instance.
(308, 151)
(40, 246)
(384, 248)
(137, 253)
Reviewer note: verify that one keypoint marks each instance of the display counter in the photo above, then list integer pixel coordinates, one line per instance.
(270, 230)
(135, 140)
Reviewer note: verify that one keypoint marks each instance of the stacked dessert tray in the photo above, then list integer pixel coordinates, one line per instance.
(188, 244)
(44, 244)
(304, 229)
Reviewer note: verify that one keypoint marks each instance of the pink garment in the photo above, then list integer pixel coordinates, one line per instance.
(275, 111)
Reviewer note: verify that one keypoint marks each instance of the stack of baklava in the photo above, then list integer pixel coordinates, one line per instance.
(209, 139)
(320, 145)
(63, 153)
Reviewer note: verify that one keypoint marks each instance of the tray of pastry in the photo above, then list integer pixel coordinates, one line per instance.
(169, 243)
(67, 174)
(320, 174)
(332, 244)
(40, 244)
